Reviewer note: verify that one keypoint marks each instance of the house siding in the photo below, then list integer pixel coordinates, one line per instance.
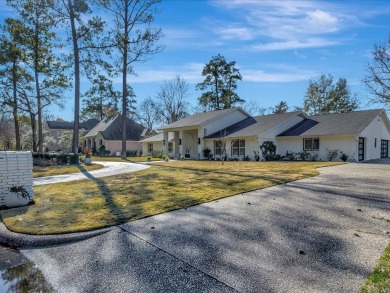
(116, 146)
(346, 144)
(375, 130)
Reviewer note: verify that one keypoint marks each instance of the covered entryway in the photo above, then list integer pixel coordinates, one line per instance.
(361, 149)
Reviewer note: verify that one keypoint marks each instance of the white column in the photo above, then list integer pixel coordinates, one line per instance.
(181, 145)
(165, 142)
(201, 144)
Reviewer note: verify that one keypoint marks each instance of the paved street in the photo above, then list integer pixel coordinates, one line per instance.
(321, 234)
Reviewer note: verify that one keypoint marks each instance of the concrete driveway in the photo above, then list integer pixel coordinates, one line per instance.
(110, 169)
(321, 234)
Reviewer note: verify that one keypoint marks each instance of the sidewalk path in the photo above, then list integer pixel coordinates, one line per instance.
(110, 169)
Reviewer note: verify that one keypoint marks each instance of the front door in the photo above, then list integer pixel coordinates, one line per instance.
(361, 149)
(384, 148)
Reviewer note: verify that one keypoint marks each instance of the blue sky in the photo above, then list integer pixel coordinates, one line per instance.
(277, 45)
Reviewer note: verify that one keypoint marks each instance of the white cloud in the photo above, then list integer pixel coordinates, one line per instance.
(293, 44)
(191, 72)
(262, 76)
(284, 25)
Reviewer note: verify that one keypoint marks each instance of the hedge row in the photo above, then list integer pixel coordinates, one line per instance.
(62, 158)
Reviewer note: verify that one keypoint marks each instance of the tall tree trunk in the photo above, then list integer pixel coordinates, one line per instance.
(37, 87)
(75, 143)
(124, 80)
(34, 133)
(15, 107)
(39, 105)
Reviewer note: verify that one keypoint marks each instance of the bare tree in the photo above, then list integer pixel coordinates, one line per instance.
(147, 114)
(171, 104)
(378, 78)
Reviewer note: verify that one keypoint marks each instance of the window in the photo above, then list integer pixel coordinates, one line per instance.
(238, 148)
(218, 147)
(311, 144)
(150, 147)
(170, 147)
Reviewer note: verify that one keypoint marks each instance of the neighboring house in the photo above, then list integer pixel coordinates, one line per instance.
(361, 135)
(55, 129)
(109, 133)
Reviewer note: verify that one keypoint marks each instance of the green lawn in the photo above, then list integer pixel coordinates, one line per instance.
(61, 170)
(379, 280)
(102, 202)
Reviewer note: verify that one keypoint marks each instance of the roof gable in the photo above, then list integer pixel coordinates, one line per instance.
(111, 129)
(255, 126)
(333, 124)
(201, 118)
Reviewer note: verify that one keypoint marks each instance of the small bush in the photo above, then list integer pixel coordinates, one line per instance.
(131, 153)
(290, 156)
(343, 157)
(206, 153)
(149, 158)
(268, 149)
(314, 157)
(246, 158)
(332, 154)
(256, 155)
(101, 150)
(304, 156)
(53, 159)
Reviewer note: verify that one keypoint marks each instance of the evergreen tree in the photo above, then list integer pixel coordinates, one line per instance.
(221, 83)
(323, 96)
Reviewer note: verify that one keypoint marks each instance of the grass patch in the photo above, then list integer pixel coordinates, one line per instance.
(101, 202)
(379, 280)
(119, 159)
(61, 170)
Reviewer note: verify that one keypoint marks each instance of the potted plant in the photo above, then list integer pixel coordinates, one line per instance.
(17, 196)
(88, 156)
(188, 150)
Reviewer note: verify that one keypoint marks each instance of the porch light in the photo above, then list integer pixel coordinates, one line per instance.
(179, 141)
(198, 140)
(163, 141)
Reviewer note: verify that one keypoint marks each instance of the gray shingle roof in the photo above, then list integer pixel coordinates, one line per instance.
(111, 129)
(154, 138)
(87, 125)
(254, 126)
(198, 119)
(333, 124)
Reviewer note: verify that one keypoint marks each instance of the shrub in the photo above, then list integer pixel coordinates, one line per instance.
(149, 158)
(101, 150)
(131, 153)
(304, 156)
(165, 157)
(53, 159)
(332, 154)
(246, 158)
(314, 157)
(206, 153)
(256, 155)
(290, 156)
(343, 157)
(268, 149)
